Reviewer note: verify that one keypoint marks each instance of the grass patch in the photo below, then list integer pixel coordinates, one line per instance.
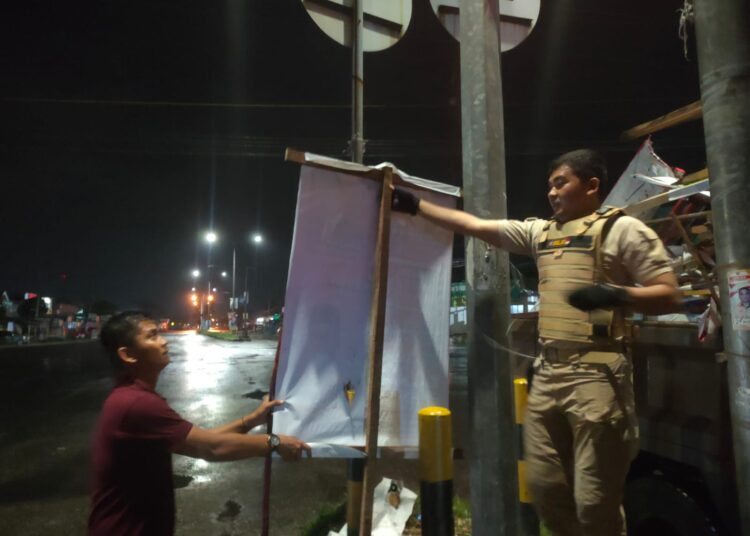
(221, 335)
(329, 518)
(461, 518)
(332, 518)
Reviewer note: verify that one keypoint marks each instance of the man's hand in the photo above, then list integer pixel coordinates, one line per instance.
(403, 201)
(290, 448)
(600, 296)
(259, 415)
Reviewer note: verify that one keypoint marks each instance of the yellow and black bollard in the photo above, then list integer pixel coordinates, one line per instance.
(520, 389)
(436, 471)
(529, 520)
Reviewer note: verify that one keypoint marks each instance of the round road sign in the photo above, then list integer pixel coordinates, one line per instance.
(385, 21)
(517, 19)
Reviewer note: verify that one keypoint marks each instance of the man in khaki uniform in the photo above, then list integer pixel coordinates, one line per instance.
(594, 265)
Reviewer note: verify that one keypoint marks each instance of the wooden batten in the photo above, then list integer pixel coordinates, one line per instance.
(691, 112)
(377, 332)
(695, 177)
(298, 157)
(693, 216)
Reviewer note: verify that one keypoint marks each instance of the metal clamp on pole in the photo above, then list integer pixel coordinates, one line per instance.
(436, 471)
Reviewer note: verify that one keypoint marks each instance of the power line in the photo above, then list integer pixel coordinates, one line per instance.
(198, 104)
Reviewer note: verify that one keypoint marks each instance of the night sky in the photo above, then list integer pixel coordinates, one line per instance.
(129, 128)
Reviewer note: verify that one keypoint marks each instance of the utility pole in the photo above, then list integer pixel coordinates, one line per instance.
(493, 450)
(723, 38)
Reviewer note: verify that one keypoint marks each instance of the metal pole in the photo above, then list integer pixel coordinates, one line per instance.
(723, 40)
(356, 467)
(208, 301)
(358, 82)
(492, 451)
(234, 270)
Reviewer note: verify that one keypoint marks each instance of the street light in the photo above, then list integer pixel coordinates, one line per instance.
(196, 273)
(223, 274)
(256, 239)
(210, 237)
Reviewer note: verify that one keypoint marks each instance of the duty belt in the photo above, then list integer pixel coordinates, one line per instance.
(591, 354)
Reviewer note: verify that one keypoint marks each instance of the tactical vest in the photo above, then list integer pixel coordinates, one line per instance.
(569, 257)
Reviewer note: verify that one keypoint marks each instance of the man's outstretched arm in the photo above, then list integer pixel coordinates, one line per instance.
(454, 220)
(229, 446)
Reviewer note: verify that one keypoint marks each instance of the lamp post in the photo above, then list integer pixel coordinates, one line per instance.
(194, 297)
(210, 238)
(257, 239)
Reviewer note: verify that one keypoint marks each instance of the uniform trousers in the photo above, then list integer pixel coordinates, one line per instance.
(580, 436)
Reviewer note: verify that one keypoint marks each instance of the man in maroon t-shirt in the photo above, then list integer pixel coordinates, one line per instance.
(132, 491)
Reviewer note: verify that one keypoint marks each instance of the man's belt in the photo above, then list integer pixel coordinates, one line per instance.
(586, 354)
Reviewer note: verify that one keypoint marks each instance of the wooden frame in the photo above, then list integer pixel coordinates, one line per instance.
(389, 178)
(360, 170)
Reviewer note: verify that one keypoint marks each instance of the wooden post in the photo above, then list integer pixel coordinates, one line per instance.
(267, 466)
(377, 329)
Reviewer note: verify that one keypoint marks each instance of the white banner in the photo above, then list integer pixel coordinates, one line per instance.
(322, 372)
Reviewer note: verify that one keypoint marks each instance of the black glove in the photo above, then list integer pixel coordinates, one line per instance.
(403, 201)
(599, 296)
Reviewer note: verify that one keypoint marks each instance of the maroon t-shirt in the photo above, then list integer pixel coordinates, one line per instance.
(132, 491)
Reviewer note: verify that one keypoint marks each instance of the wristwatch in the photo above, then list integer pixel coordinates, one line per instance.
(273, 442)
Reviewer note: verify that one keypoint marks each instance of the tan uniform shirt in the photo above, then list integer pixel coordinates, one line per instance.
(633, 253)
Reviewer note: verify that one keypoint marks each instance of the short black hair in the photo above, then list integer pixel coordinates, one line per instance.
(121, 330)
(585, 163)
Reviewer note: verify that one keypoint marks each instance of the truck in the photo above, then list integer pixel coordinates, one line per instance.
(682, 482)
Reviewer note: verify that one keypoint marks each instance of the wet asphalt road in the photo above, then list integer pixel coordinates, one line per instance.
(51, 398)
(50, 406)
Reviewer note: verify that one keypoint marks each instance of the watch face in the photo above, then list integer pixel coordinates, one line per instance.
(274, 441)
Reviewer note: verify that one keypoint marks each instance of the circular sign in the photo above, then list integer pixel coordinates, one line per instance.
(517, 19)
(385, 21)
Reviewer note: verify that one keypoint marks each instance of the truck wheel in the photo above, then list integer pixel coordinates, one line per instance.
(657, 507)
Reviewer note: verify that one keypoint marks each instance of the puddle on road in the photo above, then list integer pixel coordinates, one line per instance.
(256, 395)
(241, 357)
(230, 511)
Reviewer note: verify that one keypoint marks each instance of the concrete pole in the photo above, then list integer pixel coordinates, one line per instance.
(492, 452)
(723, 39)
